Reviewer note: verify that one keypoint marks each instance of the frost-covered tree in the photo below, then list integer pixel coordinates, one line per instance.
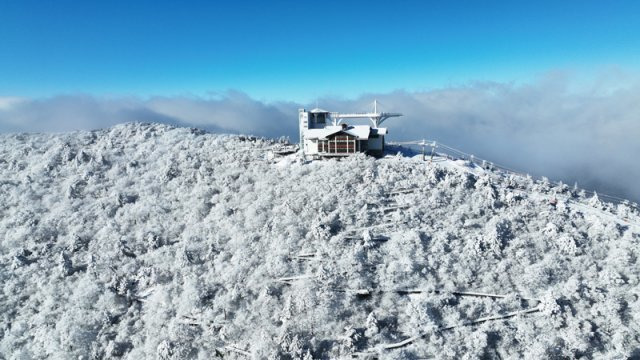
(150, 241)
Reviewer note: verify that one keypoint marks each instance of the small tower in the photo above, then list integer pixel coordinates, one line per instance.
(312, 119)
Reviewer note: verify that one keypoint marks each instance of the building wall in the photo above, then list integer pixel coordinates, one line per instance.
(376, 143)
(303, 118)
(311, 147)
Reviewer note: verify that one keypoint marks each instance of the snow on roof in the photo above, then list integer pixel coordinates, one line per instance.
(380, 131)
(315, 133)
(318, 111)
(361, 132)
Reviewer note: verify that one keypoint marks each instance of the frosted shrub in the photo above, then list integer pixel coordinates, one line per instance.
(511, 198)
(349, 339)
(475, 345)
(485, 195)
(624, 210)
(320, 231)
(76, 332)
(422, 317)
(566, 245)
(496, 236)
(470, 181)
(165, 350)
(435, 175)
(551, 230)
(437, 198)
(543, 185)
(594, 201)
(549, 305)
(372, 325)
(65, 266)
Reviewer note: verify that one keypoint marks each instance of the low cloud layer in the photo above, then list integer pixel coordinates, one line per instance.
(545, 128)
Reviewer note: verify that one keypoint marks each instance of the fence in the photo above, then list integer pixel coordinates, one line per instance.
(432, 148)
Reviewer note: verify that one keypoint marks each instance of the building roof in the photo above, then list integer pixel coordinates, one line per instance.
(361, 132)
(318, 111)
(379, 131)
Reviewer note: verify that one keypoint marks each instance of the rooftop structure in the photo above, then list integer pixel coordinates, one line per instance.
(324, 133)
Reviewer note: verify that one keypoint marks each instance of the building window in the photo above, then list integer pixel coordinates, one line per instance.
(341, 144)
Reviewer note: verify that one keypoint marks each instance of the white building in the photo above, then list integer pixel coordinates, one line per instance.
(323, 133)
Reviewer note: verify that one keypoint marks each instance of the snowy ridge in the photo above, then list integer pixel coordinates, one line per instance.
(148, 241)
(428, 147)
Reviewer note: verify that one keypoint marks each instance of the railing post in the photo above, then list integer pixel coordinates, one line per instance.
(433, 146)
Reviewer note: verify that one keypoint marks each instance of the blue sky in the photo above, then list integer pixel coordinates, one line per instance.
(299, 50)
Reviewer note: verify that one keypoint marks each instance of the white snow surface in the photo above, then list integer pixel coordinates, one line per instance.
(149, 241)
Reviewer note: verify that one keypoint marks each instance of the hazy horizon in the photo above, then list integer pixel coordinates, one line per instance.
(548, 88)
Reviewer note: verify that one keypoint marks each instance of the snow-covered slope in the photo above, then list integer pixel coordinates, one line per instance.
(147, 241)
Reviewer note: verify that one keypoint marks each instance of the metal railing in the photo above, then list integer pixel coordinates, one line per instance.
(433, 148)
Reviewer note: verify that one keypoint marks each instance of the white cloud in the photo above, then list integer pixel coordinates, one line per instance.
(9, 101)
(546, 128)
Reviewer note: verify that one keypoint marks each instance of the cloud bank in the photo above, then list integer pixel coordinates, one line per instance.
(544, 128)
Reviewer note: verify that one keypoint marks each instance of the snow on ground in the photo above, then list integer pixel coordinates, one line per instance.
(147, 241)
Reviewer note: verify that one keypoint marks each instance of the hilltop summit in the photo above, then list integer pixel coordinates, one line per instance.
(149, 241)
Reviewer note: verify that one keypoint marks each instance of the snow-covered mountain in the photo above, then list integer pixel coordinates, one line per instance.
(148, 241)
